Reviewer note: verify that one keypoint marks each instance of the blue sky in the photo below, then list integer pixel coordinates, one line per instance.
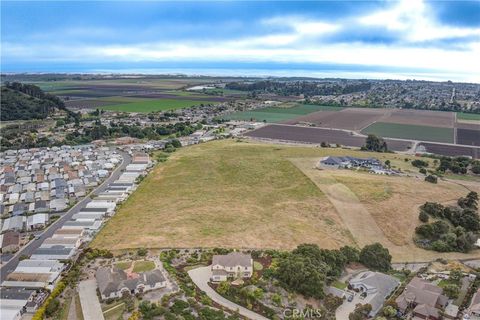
(356, 39)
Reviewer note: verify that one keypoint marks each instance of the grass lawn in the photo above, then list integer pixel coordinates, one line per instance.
(278, 114)
(115, 312)
(152, 105)
(407, 131)
(123, 265)
(468, 116)
(339, 285)
(143, 266)
(257, 266)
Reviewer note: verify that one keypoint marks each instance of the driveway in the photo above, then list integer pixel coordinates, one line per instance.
(201, 277)
(91, 309)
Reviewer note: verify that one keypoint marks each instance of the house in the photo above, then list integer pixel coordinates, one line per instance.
(58, 204)
(16, 223)
(114, 283)
(37, 221)
(232, 265)
(34, 274)
(425, 298)
(10, 241)
(13, 302)
(474, 308)
(350, 162)
(57, 252)
(375, 287)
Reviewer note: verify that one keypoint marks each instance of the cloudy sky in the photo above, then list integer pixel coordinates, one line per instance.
(355, 39)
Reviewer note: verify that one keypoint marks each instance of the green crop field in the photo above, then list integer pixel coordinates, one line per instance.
(408, 131)
(278, 114)
(468, 116)
(154, 105)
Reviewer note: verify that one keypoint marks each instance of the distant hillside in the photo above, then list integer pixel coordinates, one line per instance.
(26, 101)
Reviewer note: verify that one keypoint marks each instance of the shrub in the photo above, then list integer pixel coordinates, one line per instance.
(431, 178)
(423, 216)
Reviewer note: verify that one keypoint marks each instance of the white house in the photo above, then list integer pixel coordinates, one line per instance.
(232, 265)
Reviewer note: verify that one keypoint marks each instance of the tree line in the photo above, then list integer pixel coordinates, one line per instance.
(455, 228)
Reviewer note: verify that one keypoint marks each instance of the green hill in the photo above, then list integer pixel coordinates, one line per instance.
(25, 102)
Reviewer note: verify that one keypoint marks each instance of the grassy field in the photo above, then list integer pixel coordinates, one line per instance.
(143, 266)
(279, 114)
(253, 195)
(468, 116)
(406, 131)
(153, 105)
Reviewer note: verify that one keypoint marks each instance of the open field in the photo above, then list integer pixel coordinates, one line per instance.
(468, 136)
(382, 209)
(153, 105)
(349, 118)
(468, 116)
(410, 131)
(317, 136)
(420, 117)
(226, 194)
(255, 195)
(450, 150)
(279, 114)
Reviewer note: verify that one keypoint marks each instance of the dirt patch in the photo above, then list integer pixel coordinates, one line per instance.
(421, 117)
(349, 118)
(318, 135)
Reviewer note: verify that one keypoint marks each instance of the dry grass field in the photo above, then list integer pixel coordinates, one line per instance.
(254, 195)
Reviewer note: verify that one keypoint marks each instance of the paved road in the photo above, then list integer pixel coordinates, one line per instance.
(201, 276)
(36, 243)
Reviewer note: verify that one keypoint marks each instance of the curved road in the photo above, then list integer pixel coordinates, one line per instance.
(28, 249)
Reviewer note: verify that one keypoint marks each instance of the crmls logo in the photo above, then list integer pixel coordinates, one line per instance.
(302, 314)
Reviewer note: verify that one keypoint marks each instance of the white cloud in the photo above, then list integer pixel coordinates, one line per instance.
(415, 21)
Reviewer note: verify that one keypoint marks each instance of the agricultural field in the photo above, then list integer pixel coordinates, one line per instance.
(348, 119)
(251, 189)
(154, 105)
(410, 131)
(468, 136)
(449, 150)
(419, 117)
(148, 94)
(279, 114)
(317, 136)
(468, 116)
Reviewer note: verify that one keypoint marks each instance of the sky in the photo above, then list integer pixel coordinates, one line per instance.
(405, 39)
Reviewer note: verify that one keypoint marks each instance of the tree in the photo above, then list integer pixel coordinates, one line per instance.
(389, 312)
(451, 291)
(376, 257)
(142, 252)
(361, 312)
(423, 216)
(52, 307)
(431, 178)
(374, 143)
(332, 302)
(303, 275)
(456, 275)
(351, 254)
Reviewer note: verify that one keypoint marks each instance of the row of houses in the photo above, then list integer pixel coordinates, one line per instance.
(48, 179)
(22, 288)
(373, 165)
